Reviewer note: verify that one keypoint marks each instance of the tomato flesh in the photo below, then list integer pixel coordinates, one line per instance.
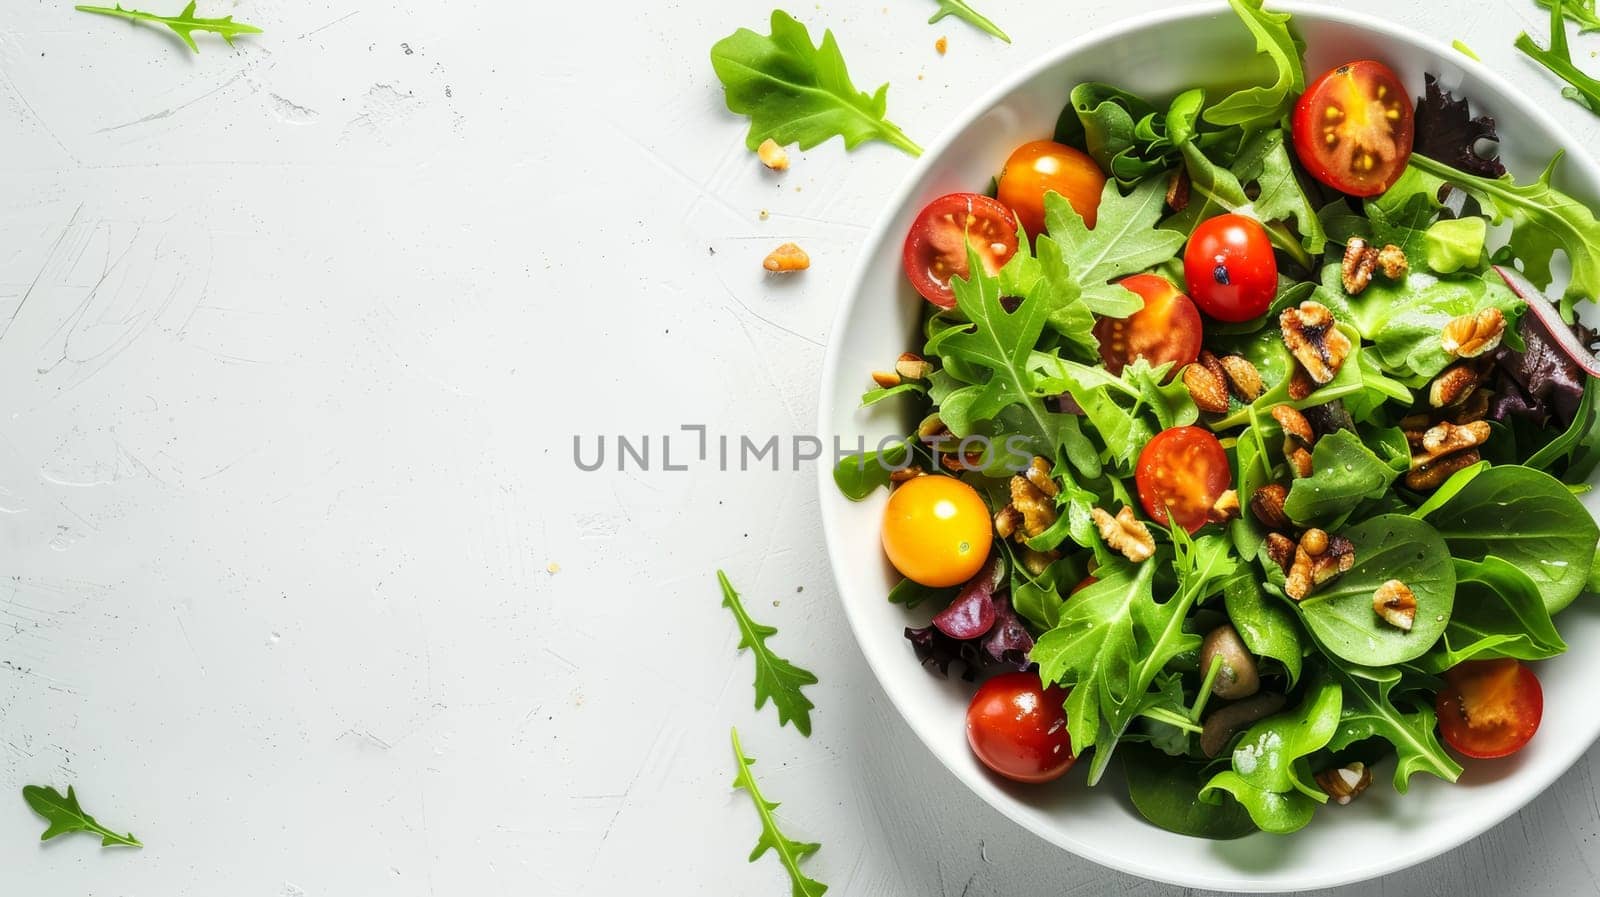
(937, 531)
(936, 247)
(1166, 329)
(1489, 708)
(1044, 166)
(1180, 475)
(1018, 728)
(1354, 127)
(1230, 268)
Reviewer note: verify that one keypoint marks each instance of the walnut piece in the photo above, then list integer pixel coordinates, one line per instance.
(1345, 783)
(1178, 190)
(1225, 508)
(1396, 604)
(1125, 533)
(1392, 262)
(1443, 449)
(1280, 549)
(1316, 343)
(1471, 335)
(1298, 438)
(1267, 506)
(786, 258)
(1033, 507)
(773, 155)
(886, 379)
(1360, 260)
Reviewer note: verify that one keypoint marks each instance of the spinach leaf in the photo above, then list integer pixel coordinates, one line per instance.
(1525, 517)
(1166, 790)
(1258, 107)
(1498, 613)
(1345, 473)
(858, 476)
(1267, 627)
(797, 93)
(1369, 711)
(1390, 546)
(1269, 776)
(912, 593)
(1584, 431)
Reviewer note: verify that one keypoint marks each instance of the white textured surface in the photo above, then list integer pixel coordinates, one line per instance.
(285, 449)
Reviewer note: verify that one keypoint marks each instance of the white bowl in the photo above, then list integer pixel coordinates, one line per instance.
(1159, 55)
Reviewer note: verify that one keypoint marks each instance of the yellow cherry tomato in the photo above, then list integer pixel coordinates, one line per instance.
(937, 531)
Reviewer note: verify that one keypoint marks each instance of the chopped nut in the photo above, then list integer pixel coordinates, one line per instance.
(1225, 508)
(1125, 533)
(1207, 383)
(1360, 260)
(1267, 506)
(1298, 437)
(1318, 559)
(1280, 549)
(1472, 335)
(1326, 566)
(1300, 383)
(1036, 562)
(1433, 474)
(1443, 449)
(905, 473)
(773, 155)
(886, 379)
(1396, 604)
(959, 464)
(942, 45)
(785, 258)
(1454, 386)
(1345, 783)
(931, 428)
(1178, 190)
(1392, 262)
(1033, 496)
(913, 367)
(1300, 462)
(1007, 521)
(1316, 343)
(1476, 407)
(1038, 473)
(1297, 582)
(1314, 541)
(1243, 378)
(1446, 438)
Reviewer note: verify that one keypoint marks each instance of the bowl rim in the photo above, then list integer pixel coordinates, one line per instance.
(1290, 880)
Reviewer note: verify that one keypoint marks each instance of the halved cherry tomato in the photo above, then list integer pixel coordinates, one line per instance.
(1353, 128)
(937, 531)
(1084, 583)
(1230, 268)
(1489, 708)
(936, 247)
(1045, 166)
(1182, 472)
(1166, 329)
(1018, 728)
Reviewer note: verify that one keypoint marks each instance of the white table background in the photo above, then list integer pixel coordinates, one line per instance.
(294, 340)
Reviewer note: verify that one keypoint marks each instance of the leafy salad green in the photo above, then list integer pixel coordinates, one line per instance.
(1404, 449)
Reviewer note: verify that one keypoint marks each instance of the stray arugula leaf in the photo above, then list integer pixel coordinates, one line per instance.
(1261, 107)
(772, 838)
(1579, 11)
(776, 678)
(1543, 220)
(797, 93)
(961, 10)
(184, 24)
(1369, 712)
(66, 816)
(1582, 89)
(1446, 130)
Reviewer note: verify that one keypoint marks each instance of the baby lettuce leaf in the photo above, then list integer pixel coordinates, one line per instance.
(1269, 776)
(1527, 518)
(1267, 627)
(65, 816)
(966, 13)
(1542, 220)
(790, 852)
(1446, 130)
(1369, 711)
(1261, 107)
(1498, 613)
(1124, 241)
(1345, 474)
(794, 92)
(1166, 791)
(776, 678)
(1389, 546)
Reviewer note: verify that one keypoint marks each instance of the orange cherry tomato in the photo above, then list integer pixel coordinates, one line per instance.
(1354, 127)
(937, 531)
(1045, 166)
(1182, 472)
(1018, 728)
(1489, 708)
(1166, 329)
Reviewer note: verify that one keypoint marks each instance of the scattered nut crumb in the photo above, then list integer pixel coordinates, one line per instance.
(942, 44)
(788, 257)
(773, 155)
(765, 214)
(552, 568)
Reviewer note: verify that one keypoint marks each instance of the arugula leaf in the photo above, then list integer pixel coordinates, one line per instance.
(961, 10)
(1542, 219)
(797, 93)
(183, 24)
(1264, 161)
(1526, 517)
(1268, 628)
(1257, 107)
(66, 816)
(776, 678)
(1124, 241)
(1345, 473)
(1498, 614)
(879, 393)
(1171, 402)
(789, 852)
(1166, 791)
(1579, 11)
(1269, 774)
(1369, 711)
(1582, 89)
(1389, 546)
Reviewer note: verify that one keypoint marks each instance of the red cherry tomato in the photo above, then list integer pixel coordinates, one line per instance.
(1166, 329)
(1084, 583)
(936, 247)
(1018, 728)
(1182, 472)
(1353, 128)
(1489, 708)
(1230, 268)
(1045, 166)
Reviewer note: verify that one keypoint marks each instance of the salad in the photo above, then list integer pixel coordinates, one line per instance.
(1244, 457)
